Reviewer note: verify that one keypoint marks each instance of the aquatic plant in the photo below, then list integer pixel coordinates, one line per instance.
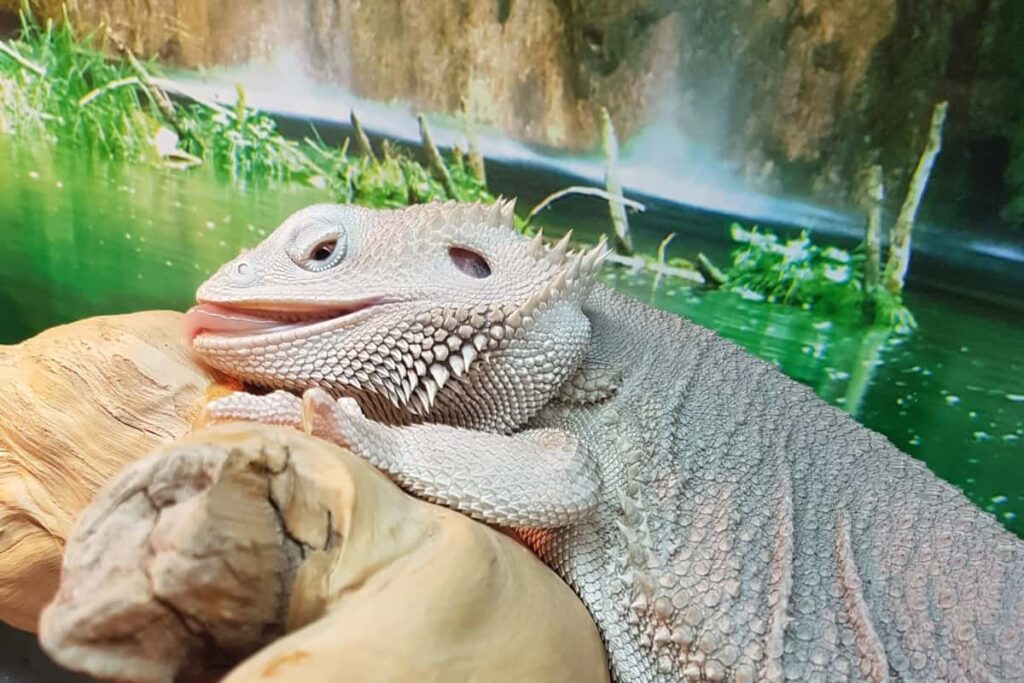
(796, 271)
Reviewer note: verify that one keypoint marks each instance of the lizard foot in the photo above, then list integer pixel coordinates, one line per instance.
(278, 408)
(340, 421)
(317, 412)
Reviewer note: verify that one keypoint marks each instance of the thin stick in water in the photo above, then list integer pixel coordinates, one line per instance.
(874, 195)
(620, 224)
(899, 243)
(584, 190)
(434, 160)
(362, 141)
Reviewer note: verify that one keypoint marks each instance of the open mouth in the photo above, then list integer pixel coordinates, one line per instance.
(243, 321)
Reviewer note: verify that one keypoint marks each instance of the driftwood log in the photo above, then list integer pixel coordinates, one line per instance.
(79, 403)
(259, 553)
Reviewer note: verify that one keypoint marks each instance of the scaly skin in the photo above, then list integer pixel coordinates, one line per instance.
(718, 519)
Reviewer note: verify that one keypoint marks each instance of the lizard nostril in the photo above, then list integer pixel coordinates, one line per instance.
(243, 273)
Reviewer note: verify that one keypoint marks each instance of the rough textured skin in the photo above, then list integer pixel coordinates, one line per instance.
(718, 519)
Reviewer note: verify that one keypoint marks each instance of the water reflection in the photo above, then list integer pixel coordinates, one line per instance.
(83, 239)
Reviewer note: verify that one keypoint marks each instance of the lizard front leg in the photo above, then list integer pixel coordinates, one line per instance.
(539, 478)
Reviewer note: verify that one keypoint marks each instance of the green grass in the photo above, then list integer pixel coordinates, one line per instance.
(63, 89)
(56, 87)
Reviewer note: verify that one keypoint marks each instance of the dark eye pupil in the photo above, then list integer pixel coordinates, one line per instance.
(323, 251)
(469, 262)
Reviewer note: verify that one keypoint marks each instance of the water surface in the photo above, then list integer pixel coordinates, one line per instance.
(83, 238)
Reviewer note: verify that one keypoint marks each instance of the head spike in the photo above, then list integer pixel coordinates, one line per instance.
(494, 215)
(508, 211)
(536, 246)
(576, 266)
(595, 257)
(557, 254)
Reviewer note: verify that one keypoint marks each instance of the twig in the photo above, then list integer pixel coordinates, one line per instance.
(158, 96)
(662, 247)
(362, 141)
(584, 190)
(711, 273)
(476, 160)
(112, 85)
(874, 195)
(899, 244)
(168, 85)
(620, 224)
(637, 263)
(13, 54)
(434, 160)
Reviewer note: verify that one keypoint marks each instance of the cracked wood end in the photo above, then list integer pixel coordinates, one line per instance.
(213, 547)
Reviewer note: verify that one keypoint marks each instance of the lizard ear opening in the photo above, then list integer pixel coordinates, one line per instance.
(469, 262)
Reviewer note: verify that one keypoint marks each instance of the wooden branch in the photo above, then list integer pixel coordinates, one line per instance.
(434, 161)
(241, 541)
(899, 242)
(112, 85)
(362, 141)
(158, 96)
(620, 224)
(637, 263)
(583, 190)
(874, 196)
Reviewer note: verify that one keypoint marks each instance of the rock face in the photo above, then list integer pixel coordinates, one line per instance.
(538, 70)
(799, 94)
(813, 91)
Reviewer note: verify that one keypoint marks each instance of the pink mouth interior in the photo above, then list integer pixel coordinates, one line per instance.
(224, 320)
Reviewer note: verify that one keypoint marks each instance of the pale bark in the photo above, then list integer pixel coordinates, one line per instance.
(874, 195)
(899, 241)
(79, 403)
(621, 238)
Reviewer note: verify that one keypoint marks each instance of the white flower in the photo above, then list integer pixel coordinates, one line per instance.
(165, 141)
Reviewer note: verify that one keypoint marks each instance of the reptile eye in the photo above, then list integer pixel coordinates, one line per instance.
(323, 251)
(469, 262)
(323, 255)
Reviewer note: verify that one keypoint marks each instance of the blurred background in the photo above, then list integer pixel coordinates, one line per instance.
(837, 186)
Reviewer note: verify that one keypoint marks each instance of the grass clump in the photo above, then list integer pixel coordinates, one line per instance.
(61, 88)
(394, 180)
(794, 271)
(800, 273)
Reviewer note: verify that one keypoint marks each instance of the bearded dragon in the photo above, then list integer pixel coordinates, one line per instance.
(719, 521)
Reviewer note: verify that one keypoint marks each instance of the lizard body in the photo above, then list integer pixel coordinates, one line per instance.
(719, 520)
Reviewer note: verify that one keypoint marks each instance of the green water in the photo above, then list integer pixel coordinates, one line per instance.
(83, 238)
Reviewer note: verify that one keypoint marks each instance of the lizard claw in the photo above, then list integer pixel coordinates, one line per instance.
(334, 420)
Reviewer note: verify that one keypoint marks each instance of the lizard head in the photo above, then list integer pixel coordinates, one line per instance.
(427, 310)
